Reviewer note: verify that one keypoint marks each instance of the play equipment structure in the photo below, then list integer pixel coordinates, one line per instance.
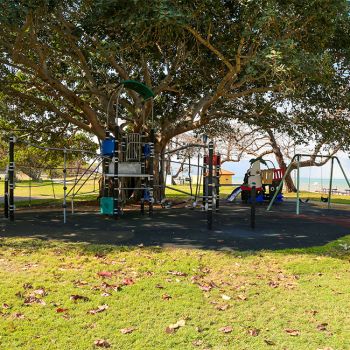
(266, 182)
(207, 178)
(297, 159)
(128, 165)
(259, 185)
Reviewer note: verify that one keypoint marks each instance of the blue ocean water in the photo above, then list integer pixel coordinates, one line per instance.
(316, 184)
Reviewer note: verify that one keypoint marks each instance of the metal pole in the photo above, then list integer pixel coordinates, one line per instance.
(116, 175)
(252, 207)
(281, 183)
(217, 182)
(343, 171)
(65, 186)
(298, 186)
(12, 178)
(151, 173)
(205, 182)
(6, 195)
(330, 184)
(143, 182)
(210, 186)
(162, 175)
(30, 191)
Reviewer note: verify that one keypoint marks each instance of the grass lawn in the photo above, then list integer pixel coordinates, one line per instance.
(56, 295)
(47, 191)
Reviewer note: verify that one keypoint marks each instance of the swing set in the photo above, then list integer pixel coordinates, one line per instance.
(297, 158)
(323, 199)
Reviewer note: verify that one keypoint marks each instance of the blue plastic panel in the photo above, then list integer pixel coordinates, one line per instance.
(106, 205)
(107, 147)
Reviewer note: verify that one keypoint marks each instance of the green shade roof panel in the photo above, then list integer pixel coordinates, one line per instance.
(140, 88)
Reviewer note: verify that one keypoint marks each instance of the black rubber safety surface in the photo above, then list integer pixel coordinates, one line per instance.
(278, 229)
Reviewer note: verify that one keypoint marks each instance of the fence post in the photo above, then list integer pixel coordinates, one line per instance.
(298, 186)
(65, 186)
(252, 206)
(11, 178)
(210, 186)
(330, 184)
(6, 195)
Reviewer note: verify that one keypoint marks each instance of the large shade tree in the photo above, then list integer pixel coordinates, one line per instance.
(64, 59)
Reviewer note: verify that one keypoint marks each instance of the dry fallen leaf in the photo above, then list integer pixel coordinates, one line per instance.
(205, 287)
(292, 332)
(102, 343)
(241, 297)
(128, 281)
(31, 299)
(60, 310)
(169, 330)
(273, 284)
(107, 286)
(127, 330)
(177, 273)
(322, 326)
(76, 297)
(18, 315)
(222, 307)
(166, 297)
(159, 286)
(105, 274)
(205, 270)
(98, 310)
(225, 297)
(312, 312)
(5, 306)
(226, 329)
(181, 323)
(197, 342)
(27, 286)
(172, 327)
(254, 332)
(79, 283)
(269, 342)
(40, 291)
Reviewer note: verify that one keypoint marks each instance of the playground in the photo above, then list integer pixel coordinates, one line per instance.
(174, 175)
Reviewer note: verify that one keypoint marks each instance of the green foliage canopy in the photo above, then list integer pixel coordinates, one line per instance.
(205, 60)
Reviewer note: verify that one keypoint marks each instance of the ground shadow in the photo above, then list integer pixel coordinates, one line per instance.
(275, 230)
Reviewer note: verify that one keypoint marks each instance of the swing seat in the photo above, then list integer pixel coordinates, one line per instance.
(324, 199)
(304, 201)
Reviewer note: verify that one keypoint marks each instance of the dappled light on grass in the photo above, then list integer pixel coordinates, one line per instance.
(138, 297)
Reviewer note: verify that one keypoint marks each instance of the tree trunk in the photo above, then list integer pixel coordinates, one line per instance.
(34, 174)
(159, 180)
(281, 163)
(290, 183)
